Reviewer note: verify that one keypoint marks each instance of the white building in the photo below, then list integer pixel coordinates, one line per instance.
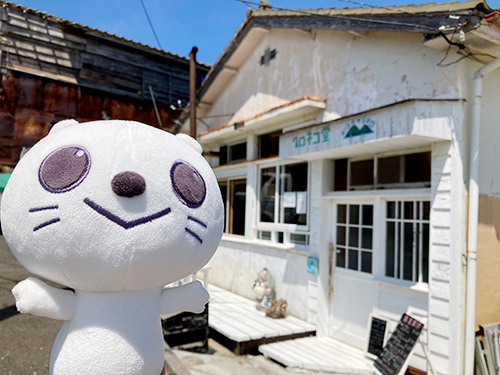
(345, 136)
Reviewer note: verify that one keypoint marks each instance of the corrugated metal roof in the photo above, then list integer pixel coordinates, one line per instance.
(94, 31)
(264, 12)
(448, 7)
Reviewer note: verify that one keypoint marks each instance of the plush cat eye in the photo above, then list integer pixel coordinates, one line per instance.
(188, 184)
(64, 169)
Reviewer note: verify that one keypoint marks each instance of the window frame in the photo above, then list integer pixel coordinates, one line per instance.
(379, 199)
(229, 183)
(381, 186)
(281, 233)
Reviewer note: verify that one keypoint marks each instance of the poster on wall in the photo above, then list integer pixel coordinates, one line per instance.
(289, 199)
(301, 207)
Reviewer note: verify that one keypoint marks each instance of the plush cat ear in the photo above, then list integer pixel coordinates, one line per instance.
(190, 141)
(62, 124)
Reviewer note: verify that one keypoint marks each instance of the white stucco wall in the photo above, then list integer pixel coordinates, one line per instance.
(352, 73)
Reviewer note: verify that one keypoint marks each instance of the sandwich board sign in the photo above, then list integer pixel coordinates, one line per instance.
(393, 359)
(377, 336)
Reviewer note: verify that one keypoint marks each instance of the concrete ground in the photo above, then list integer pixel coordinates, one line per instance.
(221, 361)
(26, 340)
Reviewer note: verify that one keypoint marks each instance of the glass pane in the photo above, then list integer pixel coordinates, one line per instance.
(362, 172)
(390, 249)
(238, 204)
(341, 213)
(238, 152)
(341, 233)
(391, 210)
(352, 263)
(353, 214)
(279, 237)
(267, 186)
(223, 192)
(340, 175)
(425, 254)
(340, 257)
(418, 167)
(367, 238)
(353, 237)
(409, 210)
(265, 235)
(367, 215)
(426, 210)
(269, 144)
(388, 170)
(293, 179)
(299, 239)
(366, 261)
(408, 252)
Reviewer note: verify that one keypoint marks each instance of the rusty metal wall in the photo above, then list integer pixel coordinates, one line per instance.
(30, 104)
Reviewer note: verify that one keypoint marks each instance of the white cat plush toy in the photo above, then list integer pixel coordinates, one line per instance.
(114, 210)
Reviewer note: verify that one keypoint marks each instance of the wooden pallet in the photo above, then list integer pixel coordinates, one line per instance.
(236, 318)
(322, 354)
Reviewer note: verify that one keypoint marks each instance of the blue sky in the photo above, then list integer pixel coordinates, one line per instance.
(182, 24)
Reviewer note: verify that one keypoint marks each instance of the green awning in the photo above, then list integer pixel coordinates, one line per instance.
(4, 177)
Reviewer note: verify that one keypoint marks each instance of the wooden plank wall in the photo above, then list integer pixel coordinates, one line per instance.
(53, 69)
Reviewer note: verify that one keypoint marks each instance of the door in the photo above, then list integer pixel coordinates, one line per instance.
(353, 291)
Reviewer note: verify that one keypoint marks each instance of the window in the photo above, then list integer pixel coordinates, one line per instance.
(233, 153)
(283, 199)
(269, 144)
(290, 190)
(354, 237)
(383, 172)
(234, 196)
(407, 240)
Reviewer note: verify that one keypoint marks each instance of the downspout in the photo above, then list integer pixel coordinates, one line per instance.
(473, 217)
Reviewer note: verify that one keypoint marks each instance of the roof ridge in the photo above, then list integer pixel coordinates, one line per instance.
(57, 19)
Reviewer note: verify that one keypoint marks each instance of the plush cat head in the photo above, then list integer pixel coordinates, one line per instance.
(112, 205)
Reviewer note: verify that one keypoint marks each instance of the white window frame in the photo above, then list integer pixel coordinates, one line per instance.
(379, 199)
(276, 228)
(376, 185)
(359, 203)
(402, 220)
(228, 181)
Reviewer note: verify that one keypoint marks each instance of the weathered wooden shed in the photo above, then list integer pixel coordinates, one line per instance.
(53, 69)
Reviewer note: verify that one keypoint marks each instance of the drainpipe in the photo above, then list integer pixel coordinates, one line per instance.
(192, 91)
(473, 219)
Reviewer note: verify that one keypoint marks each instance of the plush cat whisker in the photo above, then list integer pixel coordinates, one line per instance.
(194, 235)
(107, 177)
(43, 225)
(37, 209)
(197, 221)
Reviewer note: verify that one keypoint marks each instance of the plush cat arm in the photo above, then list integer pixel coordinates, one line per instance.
(190, 297)
(37, 298)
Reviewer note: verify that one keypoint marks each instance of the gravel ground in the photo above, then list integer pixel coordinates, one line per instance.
(25, 340)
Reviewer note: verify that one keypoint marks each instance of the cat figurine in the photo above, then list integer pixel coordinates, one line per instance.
(113, 211)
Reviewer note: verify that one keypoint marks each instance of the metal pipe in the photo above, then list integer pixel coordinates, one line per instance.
(192, 91)
(473, 217)
(154, 104)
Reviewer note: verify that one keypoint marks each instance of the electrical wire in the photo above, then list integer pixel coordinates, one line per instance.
(151, 24)
(462, 49)
(309, 13)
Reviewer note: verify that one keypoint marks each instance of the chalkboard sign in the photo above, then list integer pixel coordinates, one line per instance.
(376, 336)
(399, 346)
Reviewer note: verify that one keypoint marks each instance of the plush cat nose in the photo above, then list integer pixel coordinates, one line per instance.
(128, 184)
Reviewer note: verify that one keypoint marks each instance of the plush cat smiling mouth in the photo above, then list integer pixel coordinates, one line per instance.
(123, 223)
(143, 220)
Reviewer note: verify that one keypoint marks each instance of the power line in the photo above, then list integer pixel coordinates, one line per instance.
(377, 21)
(151, 24)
